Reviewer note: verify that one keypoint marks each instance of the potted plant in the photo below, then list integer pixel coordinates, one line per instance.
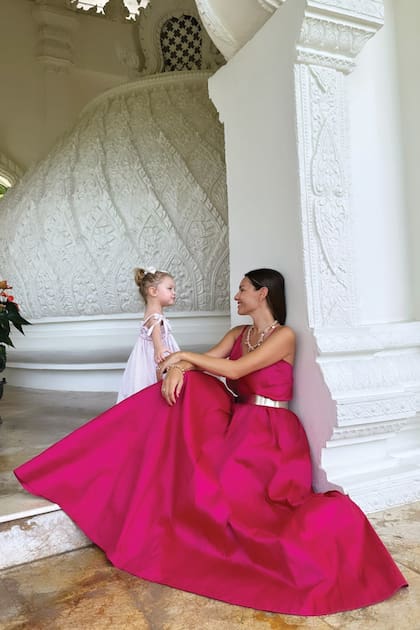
(9, 313)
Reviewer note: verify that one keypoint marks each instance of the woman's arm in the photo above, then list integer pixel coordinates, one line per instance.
(221, 350)
(279, 345)
(174, 379)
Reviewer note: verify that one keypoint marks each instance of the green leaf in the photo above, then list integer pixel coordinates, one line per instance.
(2, 357)
(4, 324)
(6, 339)
(15, 317)
(5, 330)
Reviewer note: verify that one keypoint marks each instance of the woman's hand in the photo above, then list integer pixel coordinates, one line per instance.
(172, 384)
(173, 358)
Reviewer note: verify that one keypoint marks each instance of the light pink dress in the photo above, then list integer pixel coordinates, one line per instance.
(140, 371)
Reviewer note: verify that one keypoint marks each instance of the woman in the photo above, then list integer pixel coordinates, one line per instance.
(210, 492)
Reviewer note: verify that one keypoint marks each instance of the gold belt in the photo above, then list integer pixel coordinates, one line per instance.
(256, 399)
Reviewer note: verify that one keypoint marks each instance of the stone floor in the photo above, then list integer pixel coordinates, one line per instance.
(80, 590)
(32, 419)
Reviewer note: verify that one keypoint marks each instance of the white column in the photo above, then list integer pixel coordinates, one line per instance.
(292, 206)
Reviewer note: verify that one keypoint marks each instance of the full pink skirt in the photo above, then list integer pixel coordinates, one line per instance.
(215, 498)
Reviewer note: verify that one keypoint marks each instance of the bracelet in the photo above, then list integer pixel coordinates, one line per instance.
(176, 367)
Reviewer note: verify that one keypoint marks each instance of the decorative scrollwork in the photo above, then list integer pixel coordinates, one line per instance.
(140, 178)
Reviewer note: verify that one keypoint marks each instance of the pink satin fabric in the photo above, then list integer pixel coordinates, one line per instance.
(214, 497)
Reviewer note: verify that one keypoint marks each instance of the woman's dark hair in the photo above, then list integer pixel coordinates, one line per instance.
(274, 282)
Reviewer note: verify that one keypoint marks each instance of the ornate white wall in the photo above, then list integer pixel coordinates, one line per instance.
(311, 181)
(140, 180)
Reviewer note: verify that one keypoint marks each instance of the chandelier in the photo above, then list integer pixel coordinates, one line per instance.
(133, 6)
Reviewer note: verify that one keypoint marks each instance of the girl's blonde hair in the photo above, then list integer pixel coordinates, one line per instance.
(145, 278)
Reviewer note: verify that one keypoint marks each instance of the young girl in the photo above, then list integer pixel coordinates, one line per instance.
(155, 340)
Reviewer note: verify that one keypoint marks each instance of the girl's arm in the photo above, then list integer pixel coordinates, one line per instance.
(160, 352)
(279, 345)
(221, 350)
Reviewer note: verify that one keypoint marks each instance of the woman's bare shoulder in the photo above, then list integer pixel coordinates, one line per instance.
(234, 332)
(285, 334)
(287, 331)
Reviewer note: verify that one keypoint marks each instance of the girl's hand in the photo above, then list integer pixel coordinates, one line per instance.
(175, 357)
(160, 355)
(172, 385)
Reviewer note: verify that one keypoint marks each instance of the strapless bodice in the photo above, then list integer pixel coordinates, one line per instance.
(274, 381)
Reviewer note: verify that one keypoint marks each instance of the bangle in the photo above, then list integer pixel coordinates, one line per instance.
(176, 367)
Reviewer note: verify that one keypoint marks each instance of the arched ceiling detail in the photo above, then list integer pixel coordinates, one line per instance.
(231, 24)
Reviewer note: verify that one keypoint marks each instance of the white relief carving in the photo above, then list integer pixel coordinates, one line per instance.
(330, 42)
(393, 373)
(365, 9)
(311, 58)
(386, 492)
(368, 411)
(9, 169)
(354, 433)
(140, 178)
(376, 393)
(270, 5)
(213, 23)
(325, 213)
(368, 338)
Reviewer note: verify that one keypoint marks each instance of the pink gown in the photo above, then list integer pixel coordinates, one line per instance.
(214, 497)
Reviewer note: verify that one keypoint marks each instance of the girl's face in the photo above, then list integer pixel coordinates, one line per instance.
(248, 297)
(165, 291)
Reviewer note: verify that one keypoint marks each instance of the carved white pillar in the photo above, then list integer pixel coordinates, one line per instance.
(373, 373)
(333, 33)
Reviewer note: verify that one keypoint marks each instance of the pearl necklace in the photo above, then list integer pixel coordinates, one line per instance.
(260, 338)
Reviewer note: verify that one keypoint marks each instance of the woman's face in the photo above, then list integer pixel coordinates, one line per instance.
(248, 297)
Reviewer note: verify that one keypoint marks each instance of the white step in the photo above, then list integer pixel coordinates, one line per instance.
(28, 538)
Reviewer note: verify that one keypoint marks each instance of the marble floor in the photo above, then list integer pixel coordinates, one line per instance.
(80, 590)
(32, 419)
